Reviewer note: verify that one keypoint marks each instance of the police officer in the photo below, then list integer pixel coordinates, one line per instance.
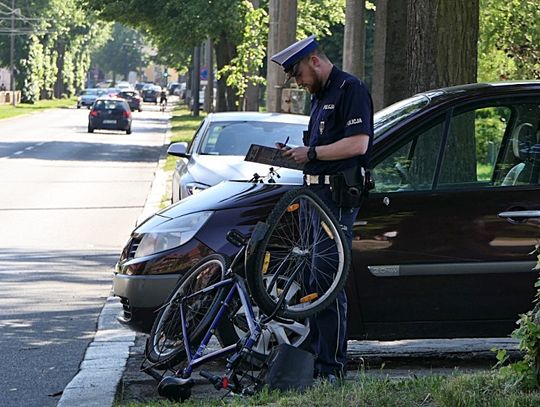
(338, 140)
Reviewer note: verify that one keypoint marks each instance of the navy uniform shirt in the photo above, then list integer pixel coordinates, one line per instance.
(343, 108)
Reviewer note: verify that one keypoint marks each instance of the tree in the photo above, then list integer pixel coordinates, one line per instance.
(122, 53)
(509, 46)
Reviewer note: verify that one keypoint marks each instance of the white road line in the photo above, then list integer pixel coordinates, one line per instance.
(18, 152)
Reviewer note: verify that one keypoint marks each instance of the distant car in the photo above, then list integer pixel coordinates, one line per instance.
(442, 246)
(111, 92)
(133, 98)
(87, 97)
(150, 93)
(171, 87)
(124, 86)
(180, 91)
(110, 114)
(218, 148)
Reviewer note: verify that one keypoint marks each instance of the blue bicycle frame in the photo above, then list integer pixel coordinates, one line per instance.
(238, 286)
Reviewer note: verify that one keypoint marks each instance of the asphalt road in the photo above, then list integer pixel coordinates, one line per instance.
(68, 201)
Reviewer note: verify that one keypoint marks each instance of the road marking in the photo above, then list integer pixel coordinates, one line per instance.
(29, 148)
(18, 152)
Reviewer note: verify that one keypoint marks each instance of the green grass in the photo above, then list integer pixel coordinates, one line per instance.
(463, 390)
(183, 127)
(7, 111)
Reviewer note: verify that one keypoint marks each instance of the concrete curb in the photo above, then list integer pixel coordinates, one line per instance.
(105, 359)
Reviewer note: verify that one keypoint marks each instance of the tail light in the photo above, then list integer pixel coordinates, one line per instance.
(126, 114)
(94, 113)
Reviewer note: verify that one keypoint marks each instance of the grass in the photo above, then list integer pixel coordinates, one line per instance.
(459, 390)
(7, 111)
(183, 127)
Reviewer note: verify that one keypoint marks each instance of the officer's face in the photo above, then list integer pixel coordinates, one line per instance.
(307, 76)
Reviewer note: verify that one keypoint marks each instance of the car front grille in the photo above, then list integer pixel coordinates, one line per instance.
(127, 308)
(133, 245)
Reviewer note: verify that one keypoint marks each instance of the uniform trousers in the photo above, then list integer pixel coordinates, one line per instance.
(329, 327)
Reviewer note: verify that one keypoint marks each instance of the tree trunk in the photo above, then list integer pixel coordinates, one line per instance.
(442, 51)
(390, 82)
(354, 38)
(226, 97)
(281, 34)
(442, 43)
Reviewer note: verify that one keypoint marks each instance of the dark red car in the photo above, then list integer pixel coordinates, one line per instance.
(442, 246)
(133, 98)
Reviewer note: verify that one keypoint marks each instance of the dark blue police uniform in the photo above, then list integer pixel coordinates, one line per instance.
(341, 109)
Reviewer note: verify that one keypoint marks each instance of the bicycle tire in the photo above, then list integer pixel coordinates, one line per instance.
(165, 344)
(299, 223)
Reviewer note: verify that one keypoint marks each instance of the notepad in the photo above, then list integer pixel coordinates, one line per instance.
(271, 156)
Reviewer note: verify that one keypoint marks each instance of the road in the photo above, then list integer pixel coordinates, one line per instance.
(68, 201)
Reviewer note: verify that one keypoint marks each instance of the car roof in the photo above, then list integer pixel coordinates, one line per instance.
(482, 89)
(258, 116)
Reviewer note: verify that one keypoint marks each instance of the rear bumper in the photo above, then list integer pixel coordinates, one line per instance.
(121, 124)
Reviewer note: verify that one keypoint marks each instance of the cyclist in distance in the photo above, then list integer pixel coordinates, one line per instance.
(163, 99)
(335, 155)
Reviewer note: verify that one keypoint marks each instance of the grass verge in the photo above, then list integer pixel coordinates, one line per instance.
(183, 128)
(460, 390)
(7, 111)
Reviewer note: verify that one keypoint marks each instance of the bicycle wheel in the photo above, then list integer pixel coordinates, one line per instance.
(304, 251)
(165, 346)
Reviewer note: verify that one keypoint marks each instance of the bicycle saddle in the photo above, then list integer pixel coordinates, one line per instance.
(175, 388)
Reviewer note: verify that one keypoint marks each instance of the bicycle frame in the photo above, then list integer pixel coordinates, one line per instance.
(238, 286)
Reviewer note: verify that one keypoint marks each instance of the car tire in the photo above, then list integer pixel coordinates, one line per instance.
(78, 107)
(140, 110)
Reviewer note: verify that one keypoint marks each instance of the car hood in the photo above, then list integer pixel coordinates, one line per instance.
(214, 169)
(226, 195)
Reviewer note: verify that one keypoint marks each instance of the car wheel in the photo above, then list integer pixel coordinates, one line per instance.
(78, 107)
(140, 110)
(294, 333)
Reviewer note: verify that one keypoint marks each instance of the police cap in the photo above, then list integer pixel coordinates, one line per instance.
(295, 52)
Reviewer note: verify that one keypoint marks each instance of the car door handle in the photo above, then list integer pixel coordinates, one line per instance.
(519, 215)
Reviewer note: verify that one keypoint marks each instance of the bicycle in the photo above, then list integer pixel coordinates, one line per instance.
(275, 257)
(162, 104)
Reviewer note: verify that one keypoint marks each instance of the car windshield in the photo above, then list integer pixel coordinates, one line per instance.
(89, 92)
(234, 138)
(109, 105)
(393, 114)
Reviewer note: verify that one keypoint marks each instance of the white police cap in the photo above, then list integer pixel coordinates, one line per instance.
(295, 52)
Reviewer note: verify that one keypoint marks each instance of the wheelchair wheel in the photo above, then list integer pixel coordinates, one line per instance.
(165, 346)
(301, 262)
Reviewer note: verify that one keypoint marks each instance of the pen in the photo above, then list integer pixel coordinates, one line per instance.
(286, 141)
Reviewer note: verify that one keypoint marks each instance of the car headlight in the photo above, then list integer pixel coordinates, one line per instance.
(195, 187)
(172, 233)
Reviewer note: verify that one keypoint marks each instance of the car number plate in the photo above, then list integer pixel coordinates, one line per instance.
(109, 121)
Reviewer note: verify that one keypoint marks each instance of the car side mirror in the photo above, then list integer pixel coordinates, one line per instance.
(178, 149)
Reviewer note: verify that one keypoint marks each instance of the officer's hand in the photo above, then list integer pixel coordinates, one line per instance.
(298, 154)
(282, 146)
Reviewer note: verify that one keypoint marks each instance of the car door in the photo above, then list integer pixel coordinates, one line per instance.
(432, 255)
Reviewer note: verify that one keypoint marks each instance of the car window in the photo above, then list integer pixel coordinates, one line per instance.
(393, 114)
(411, 166)
(235, 138)
(110, 105)
(492, 146)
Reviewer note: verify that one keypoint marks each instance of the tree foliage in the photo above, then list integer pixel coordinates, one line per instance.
(509, 46)
(54, 55)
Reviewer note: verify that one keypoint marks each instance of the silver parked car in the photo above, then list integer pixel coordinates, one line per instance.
(87, 97)
(217, 150)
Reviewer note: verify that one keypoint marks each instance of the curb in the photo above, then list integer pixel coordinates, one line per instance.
(105, 359)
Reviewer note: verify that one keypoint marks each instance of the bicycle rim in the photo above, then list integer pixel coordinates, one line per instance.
(165, 345)
(305, 252)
